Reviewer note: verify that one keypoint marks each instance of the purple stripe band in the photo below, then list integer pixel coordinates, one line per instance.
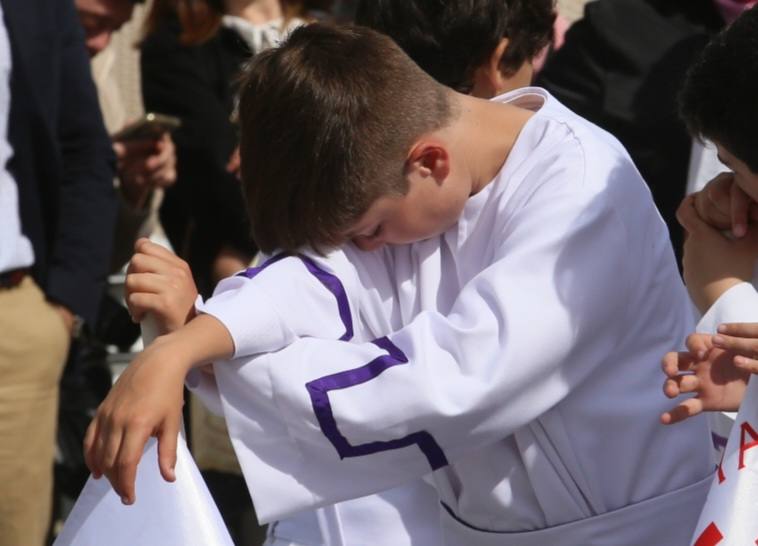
(330, 282)
(319, 388)
(334, 285)
(719, 442)
(251, 272)
(319, 392)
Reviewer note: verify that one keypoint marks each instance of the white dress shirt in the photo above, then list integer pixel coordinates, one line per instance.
(15, 249)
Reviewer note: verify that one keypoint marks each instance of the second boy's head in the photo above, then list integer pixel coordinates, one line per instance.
(344, 137)
(478, 47)
(719, 100)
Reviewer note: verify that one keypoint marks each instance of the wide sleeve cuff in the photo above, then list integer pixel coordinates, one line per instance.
(253, 323)
(738, 304)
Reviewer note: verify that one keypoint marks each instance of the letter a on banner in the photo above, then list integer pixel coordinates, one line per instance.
(181, 512)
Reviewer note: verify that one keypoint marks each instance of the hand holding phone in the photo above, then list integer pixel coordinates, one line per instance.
(149, 127)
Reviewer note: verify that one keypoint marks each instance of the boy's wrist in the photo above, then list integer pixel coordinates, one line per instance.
(714, 290)
(201, 341)
(172, 352)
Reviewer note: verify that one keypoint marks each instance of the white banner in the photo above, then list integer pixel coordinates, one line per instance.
(181, 512)
(729, 515)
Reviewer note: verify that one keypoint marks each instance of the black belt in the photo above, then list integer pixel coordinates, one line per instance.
(11, 279)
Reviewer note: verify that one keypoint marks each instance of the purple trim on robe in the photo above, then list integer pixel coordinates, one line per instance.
(319, 392)
(719, 442)
(334, 285)
(330, 282)
(251, 272)
(319, 388)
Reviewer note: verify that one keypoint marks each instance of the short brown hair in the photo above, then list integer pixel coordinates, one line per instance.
(327, 120)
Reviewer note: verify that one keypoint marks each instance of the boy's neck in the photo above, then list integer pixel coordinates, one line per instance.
(483, 135)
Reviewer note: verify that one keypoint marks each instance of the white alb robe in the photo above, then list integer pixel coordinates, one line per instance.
(522, 367)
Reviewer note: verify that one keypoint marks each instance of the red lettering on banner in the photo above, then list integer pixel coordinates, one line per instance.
(746, 429)
(722, 477)
(710, 537)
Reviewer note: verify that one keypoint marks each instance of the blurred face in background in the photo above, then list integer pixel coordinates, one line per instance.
(100, 19)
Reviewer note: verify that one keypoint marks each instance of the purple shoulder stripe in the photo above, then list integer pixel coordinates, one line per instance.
(330, 282)
(319, 388)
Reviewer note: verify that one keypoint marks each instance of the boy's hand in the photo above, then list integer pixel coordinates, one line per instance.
(707, 371)
(144, 165)
(724, 206)
(712, 263)
(742, 341)
(159, 282)
(145, 401)
(713, 203)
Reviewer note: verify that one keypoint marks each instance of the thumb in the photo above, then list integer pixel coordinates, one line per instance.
(167, 440)
(119, 149)
(688, 217)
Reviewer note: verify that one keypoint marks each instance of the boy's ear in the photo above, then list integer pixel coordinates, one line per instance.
(428, 159)
(489, 80)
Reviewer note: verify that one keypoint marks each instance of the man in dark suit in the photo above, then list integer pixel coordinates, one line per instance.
(57, 212)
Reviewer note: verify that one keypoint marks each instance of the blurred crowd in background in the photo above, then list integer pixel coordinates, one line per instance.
(77, 126)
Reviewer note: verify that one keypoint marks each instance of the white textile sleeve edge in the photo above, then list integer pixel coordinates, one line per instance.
(738, 304)
(276, 493)
(252, 331)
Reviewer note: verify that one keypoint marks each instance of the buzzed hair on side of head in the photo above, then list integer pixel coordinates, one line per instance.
(449, 39)
(327, 120)
(719, 99)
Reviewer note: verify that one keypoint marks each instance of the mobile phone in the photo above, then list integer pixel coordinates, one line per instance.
(149, 126)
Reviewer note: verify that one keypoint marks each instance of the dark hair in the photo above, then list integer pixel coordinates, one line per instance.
(326, 122)
(719, 100)
(449, 39)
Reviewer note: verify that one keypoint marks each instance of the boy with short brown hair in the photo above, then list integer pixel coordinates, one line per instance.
(511, 255)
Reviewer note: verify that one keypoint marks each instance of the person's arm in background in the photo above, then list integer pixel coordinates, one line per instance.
(176, 80)
(83, 236)
(145, 167)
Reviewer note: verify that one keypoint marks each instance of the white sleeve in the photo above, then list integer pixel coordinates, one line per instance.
(266, 308)
(738, 304)
(338, 420)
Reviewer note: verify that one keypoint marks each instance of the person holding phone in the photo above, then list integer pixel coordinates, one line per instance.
(146, 161)
(191, 55)
(144, 157)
